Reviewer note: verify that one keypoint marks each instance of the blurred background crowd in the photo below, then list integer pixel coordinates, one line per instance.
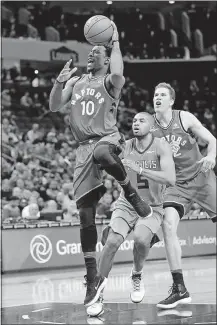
(38, 149)
(161, 33)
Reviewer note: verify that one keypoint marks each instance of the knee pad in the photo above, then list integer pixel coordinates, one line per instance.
(88, 238)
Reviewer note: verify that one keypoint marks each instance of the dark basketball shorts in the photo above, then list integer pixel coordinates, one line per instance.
(124, 220)
(201, 190)
(88, 175)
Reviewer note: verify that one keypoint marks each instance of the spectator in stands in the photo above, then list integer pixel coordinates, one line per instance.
(23, 204)
(71, 212)
(37, 105)
(31, 212)
(208, 115)
(11, 210)
(6, 98)
(26, 100)
(34, 133)
(52, 190)
(6, 189)
(50, 206)
(194, 89)
(41, 203)
(15, 71)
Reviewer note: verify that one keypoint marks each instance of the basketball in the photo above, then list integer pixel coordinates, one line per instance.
(98, 30)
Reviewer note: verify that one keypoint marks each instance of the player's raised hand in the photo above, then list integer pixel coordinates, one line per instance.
(66, 72)
(115, 36)
(207, 162)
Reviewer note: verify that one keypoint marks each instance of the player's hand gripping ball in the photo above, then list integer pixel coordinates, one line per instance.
(98, 30)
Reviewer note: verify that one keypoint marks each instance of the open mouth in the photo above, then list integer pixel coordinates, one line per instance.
(158, 103)
(90, 61)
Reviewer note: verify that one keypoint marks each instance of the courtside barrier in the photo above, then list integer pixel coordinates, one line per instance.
(57, 247)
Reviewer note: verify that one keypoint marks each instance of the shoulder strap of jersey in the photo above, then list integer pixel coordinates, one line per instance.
(180, 121)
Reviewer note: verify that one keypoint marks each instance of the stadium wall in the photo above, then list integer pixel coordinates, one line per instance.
(56, 246)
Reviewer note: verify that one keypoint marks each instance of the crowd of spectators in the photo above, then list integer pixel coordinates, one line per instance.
(38, 159)
(152, 41)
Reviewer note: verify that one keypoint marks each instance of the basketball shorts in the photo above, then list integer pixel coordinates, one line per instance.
(124, 220)
(88, 175)
(201, 190)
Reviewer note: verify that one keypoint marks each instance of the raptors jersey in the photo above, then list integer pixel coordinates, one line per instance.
(185, 149)
(152, 192)
(93, 110)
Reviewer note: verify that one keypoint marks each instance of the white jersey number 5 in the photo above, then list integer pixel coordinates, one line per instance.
(87, 108)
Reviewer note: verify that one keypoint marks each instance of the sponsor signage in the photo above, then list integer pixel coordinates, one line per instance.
(14, 50)
(64, 54)
(39, 248)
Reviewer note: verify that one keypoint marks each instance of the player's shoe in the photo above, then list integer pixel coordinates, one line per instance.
(94, 289)
(178, 294)
(180, 313)
(142, 208)
(95, 320)
(96, 309)
(138, 290)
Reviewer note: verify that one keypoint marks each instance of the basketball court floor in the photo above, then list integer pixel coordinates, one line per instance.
(56, 297)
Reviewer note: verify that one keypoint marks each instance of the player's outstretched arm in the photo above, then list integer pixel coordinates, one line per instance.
(191, 123)
(167, 174)
(59, 96)
(115, 80)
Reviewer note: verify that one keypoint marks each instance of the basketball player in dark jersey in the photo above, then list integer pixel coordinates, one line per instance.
(150, 167)
(195, 179)
(93, 99)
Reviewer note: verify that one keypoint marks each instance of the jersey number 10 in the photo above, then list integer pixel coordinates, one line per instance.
(87, 108)
(142, 182)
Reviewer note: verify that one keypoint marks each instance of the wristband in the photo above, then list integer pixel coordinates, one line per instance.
(59, 82)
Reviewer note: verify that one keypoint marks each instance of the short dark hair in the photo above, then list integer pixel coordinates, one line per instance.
(169, 87)
(149, 116)
(108, 51)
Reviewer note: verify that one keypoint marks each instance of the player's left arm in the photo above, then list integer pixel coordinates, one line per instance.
(191, 123)
(115, 80)
(167, 174)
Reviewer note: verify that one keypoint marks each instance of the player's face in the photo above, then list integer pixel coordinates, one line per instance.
(96, 58)
(141, 125)
(162, 100)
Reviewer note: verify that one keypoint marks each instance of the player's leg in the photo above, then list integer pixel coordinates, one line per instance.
(88, 237)
(107, 155)
(144, 231)
(118, 230)
(205, 195)
(174, 210)
(88, 189)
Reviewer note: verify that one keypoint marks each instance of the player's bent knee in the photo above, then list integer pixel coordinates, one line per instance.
(114, 241)
(143, 239)
(103, 154)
